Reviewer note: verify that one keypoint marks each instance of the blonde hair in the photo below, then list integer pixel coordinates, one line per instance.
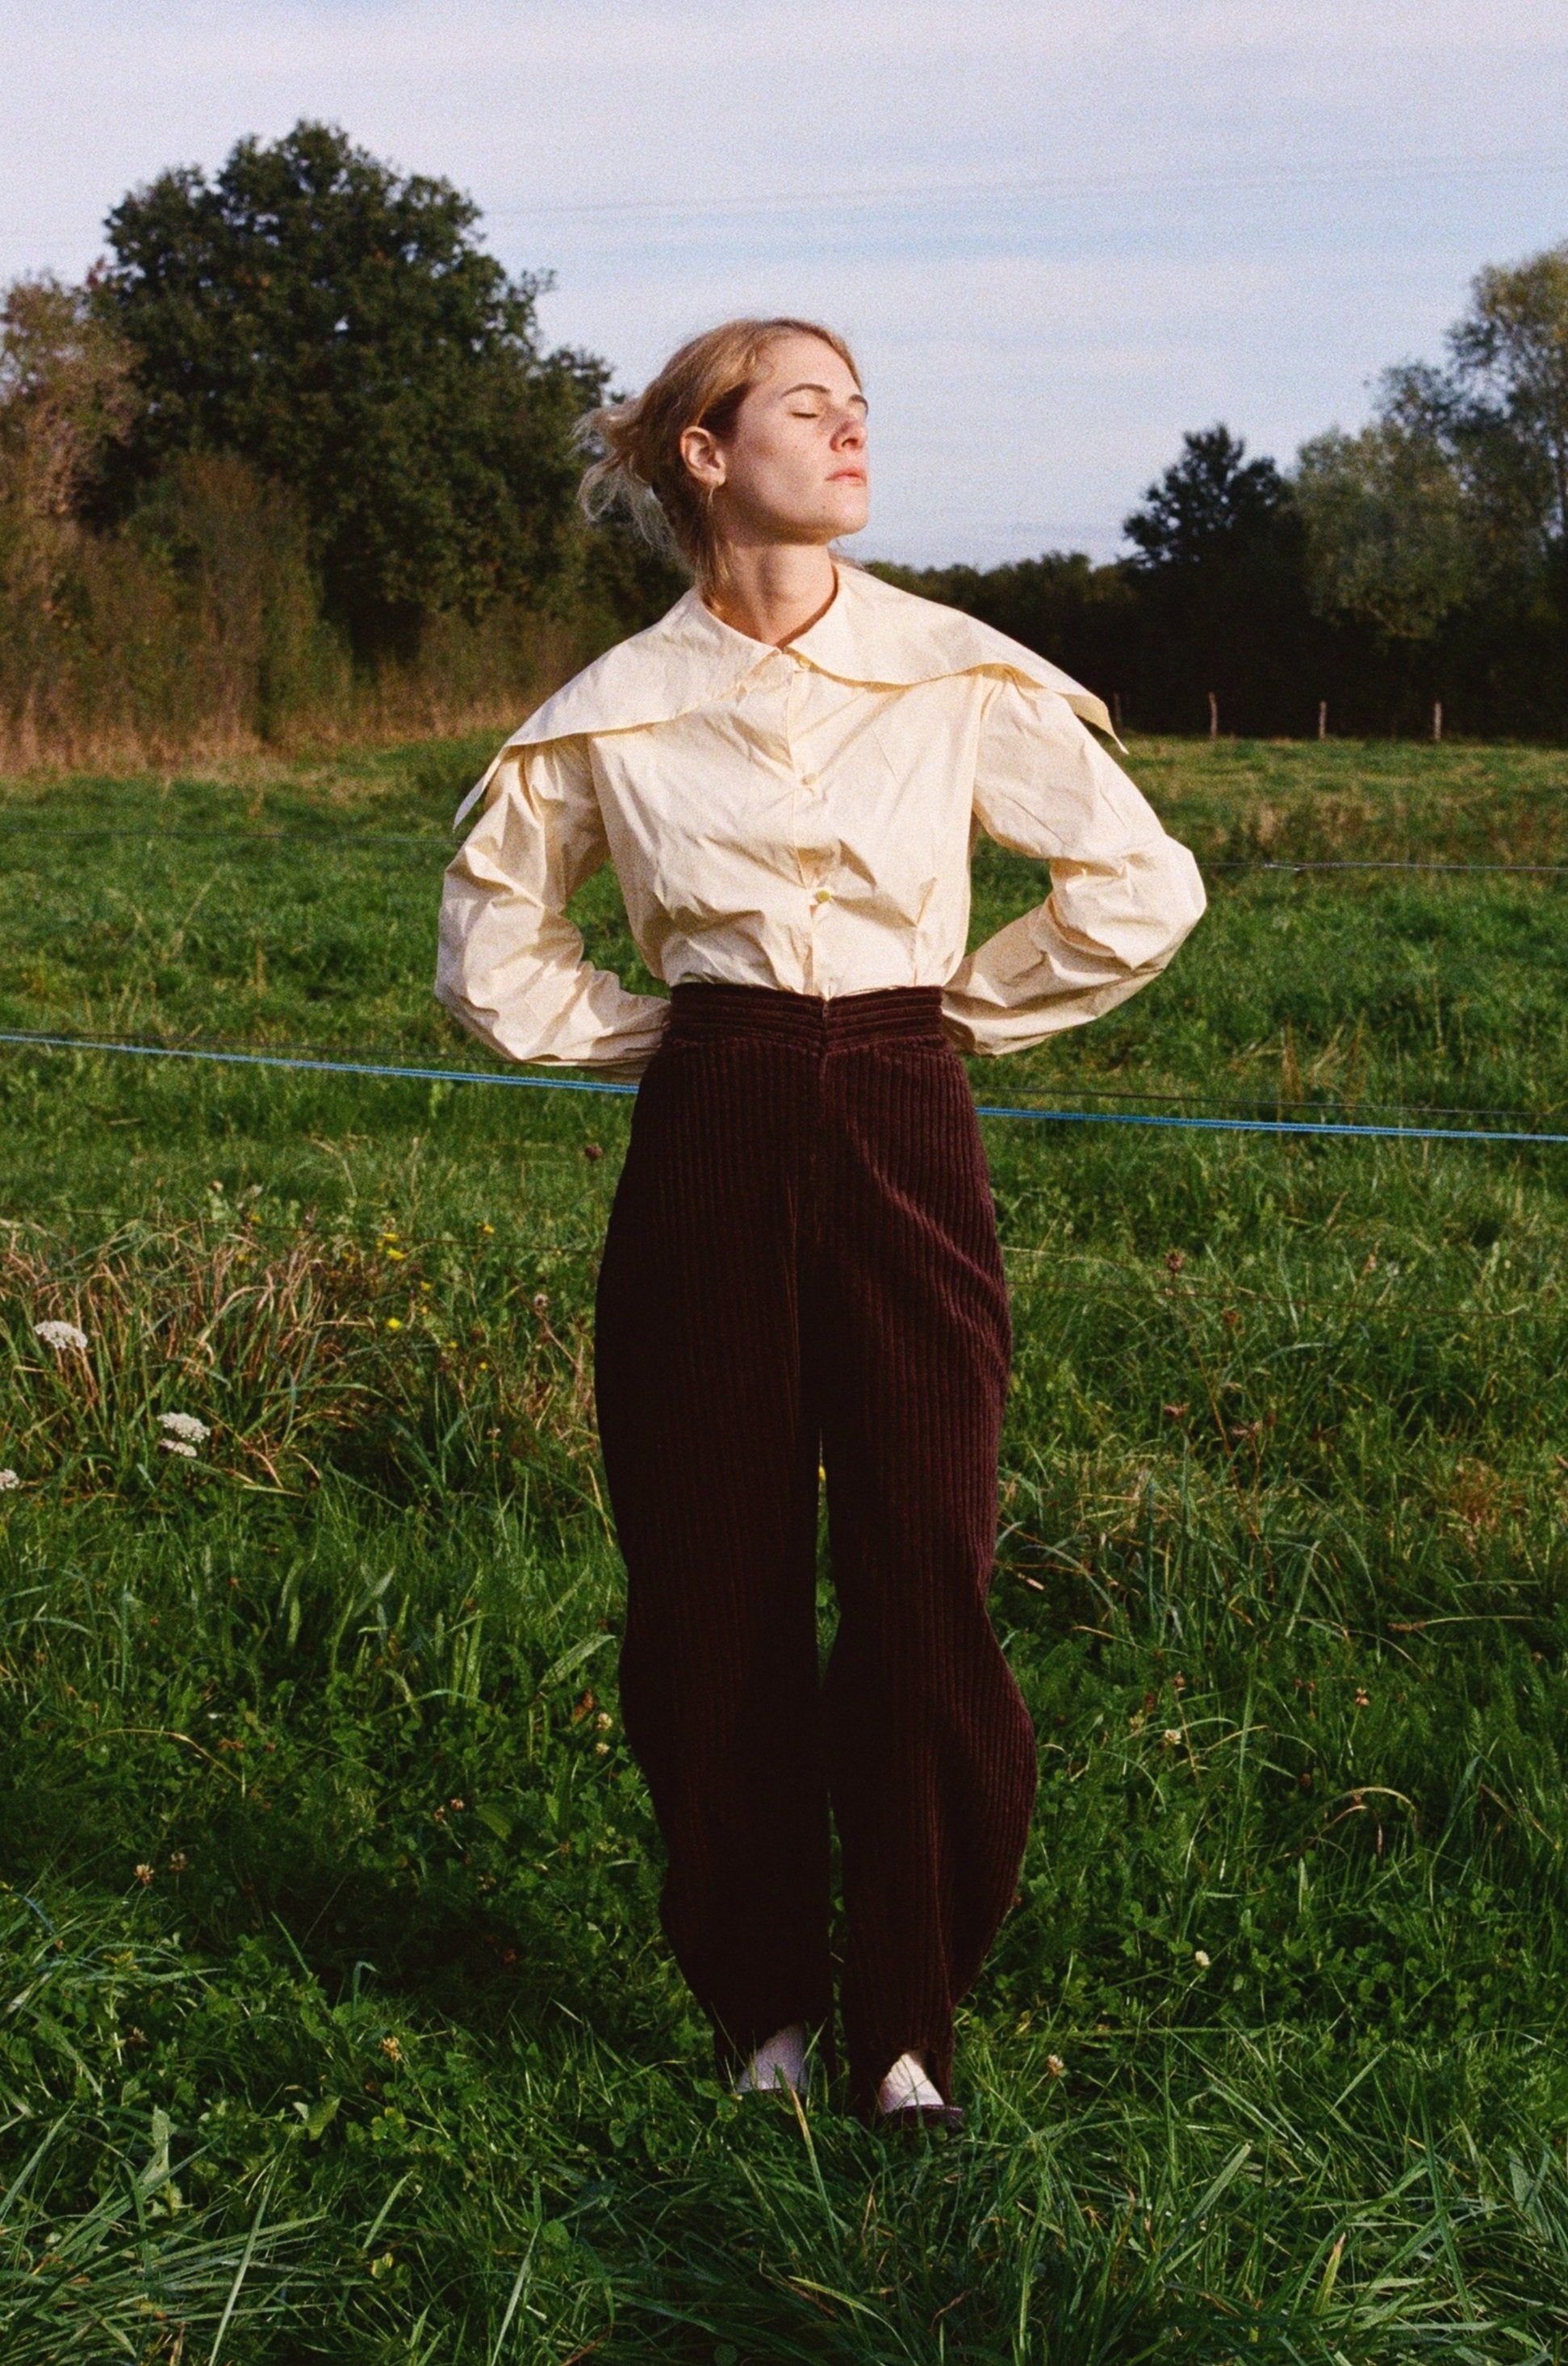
(638, 465)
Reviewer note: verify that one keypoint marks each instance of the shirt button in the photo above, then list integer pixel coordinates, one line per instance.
(810, 780)
(822, 895)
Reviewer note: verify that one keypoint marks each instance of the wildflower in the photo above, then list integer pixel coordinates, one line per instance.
(59, 1335)
(185, 1426)
(144, 1875)
(601, 1749)
(604, 1721)
(592, 1151)
(541, 1302)
(1362, 1700)
(8, 1480)
(1175, 1412)
(1056, 2065)
(1171, 1737)
(178, 1445)
(1201, 1959)
(393, 1323)
(392, 2048)
(1174, 1260)
(487, 1228)
(179, 1861)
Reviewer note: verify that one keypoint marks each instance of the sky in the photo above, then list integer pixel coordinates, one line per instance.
(1057, 235)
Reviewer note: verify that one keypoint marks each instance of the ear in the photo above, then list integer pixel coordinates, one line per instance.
(704, 456)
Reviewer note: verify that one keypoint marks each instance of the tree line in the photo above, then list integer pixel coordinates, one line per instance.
(1412, 571)
(296, 460)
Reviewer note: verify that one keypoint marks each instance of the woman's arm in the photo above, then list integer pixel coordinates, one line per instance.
(1123, 894)
(509, 964)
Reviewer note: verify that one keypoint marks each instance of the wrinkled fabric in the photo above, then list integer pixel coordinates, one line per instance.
(804, 818)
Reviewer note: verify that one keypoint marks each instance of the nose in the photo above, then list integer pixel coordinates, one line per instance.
(851, 432)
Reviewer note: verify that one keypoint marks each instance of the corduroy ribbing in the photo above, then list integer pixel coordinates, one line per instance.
(802, 1261)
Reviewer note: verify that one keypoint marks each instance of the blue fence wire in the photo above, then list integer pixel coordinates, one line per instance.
(274, 1060)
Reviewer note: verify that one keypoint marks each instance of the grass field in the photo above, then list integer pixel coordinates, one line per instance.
(334, 2018)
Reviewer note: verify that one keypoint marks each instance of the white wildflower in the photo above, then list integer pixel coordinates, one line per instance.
(8, 1480)
(1201, 1959)
(185, 1426)
(59, 1335)
(178, 1445)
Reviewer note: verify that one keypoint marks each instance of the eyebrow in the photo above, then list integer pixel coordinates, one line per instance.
(810, 386)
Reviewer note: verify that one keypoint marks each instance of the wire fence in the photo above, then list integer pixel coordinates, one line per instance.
(19, 1039)
(233, 834)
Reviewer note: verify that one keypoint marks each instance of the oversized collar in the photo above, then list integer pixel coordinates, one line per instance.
(871, 633)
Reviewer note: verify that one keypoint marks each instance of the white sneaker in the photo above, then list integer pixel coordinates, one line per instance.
(781, 2062)
(907, 2088)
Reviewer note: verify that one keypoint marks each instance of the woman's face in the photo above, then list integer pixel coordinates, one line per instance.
(792, 467)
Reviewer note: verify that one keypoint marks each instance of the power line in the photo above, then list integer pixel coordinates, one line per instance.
(1054, 184)
(575, 1085)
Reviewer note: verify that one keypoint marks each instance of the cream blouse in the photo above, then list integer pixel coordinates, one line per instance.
(804, 818)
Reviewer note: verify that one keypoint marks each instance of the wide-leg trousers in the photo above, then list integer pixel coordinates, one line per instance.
(801, 1264)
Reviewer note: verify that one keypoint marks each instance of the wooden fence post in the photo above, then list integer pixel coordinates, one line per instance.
(1323, 718)
(1437, 718)
(1214, 717)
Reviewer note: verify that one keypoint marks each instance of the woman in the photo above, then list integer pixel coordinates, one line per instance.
(789, 772)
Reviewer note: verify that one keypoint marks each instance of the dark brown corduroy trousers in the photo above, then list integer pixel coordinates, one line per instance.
(802, 1260)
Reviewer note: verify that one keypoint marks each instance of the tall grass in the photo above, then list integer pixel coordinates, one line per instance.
(330, 1936)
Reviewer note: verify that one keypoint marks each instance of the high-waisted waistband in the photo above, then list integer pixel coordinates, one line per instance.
(706, 1007)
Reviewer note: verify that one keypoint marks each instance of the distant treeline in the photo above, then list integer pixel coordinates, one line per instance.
(293, 463)
(1419, 565)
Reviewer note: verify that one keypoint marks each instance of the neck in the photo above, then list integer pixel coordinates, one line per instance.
(773, 591)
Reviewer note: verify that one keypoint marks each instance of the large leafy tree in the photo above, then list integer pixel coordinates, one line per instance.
(1218, 567)
(1212, 503)
(339, 326)
(1511, 356)
(1389, 537)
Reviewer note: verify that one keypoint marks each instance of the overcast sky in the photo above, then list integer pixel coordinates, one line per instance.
(1058, 235)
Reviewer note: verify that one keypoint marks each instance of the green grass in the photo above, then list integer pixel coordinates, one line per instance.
(334, 2018)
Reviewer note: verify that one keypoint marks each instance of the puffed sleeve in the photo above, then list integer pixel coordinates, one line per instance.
(509, 964)
(1123, 894)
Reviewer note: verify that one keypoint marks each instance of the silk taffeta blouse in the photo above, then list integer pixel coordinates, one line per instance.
(803, 817)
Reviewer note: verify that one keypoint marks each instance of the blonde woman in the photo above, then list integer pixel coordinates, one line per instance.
(789, 773)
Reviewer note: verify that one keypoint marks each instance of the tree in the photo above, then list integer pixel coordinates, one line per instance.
(338, 327)
(65, 393)
(1218, 567)
(1387, 537)
(1208, 504)
(1510, 353)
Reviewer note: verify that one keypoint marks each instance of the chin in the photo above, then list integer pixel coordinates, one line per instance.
(851, 518)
